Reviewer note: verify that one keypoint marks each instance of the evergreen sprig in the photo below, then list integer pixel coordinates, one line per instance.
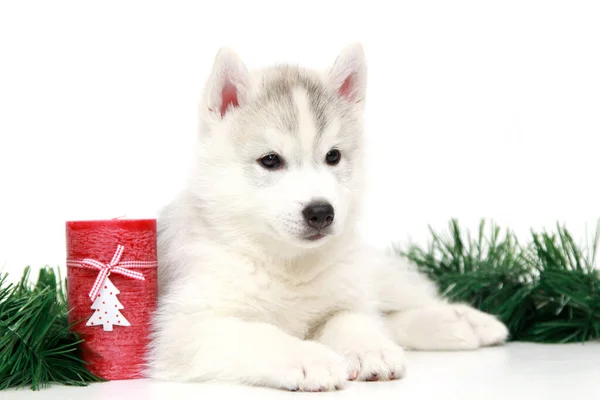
(36, 345)
(547, 291)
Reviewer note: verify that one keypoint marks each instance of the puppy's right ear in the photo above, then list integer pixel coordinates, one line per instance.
(228, 86)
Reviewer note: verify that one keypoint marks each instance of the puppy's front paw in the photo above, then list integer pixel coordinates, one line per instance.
(369, 353)
(376, 360)
(312, 367)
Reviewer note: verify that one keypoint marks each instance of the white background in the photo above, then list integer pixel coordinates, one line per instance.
(475, 108)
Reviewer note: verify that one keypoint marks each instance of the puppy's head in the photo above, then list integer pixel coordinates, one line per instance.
(280, 152)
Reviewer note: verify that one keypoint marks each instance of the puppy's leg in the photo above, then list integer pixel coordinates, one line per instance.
(232, 350)
(362, 340)
(418, 319)
(446, 327)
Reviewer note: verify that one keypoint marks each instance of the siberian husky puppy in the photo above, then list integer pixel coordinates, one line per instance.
(263, 277)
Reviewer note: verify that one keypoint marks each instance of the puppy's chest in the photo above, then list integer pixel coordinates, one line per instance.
(299, 309)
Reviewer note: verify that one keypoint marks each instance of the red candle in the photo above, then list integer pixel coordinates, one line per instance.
(112, 292)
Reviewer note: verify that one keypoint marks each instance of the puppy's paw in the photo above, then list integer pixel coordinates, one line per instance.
(369, 353)
(379, 360)
(488, 329)
(311, 367)
(446, 327)
(439, 327)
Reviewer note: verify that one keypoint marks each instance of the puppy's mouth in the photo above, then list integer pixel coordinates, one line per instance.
(317, 234)
(315, 237)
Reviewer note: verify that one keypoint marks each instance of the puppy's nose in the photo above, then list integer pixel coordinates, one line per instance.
(318, 215)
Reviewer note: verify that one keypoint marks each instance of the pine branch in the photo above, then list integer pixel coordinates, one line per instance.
(36, 346)
(547, 291)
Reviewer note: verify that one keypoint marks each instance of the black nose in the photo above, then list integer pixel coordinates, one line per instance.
(318, 215)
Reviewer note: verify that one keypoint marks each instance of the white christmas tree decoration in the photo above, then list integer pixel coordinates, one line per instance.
(106, 308)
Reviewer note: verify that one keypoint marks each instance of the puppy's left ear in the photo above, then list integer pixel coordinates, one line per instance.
(348, 74)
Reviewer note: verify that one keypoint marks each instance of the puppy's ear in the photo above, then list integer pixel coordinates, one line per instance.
(348, 74)
(228, 86)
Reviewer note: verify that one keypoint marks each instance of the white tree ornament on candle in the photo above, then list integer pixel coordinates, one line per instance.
(106, 308)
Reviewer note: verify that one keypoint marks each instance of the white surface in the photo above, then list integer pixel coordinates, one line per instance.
(516, 371)
(475, 108)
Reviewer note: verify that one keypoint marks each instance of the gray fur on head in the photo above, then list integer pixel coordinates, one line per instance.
(298, 114)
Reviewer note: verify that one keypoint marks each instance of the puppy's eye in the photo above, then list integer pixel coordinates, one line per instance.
(333, 157)
(270, 161)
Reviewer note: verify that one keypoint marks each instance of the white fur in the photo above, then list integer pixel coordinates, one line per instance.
(244, 297)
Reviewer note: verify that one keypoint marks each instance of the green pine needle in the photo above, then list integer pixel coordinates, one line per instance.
(36, 346)
(547, 291)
